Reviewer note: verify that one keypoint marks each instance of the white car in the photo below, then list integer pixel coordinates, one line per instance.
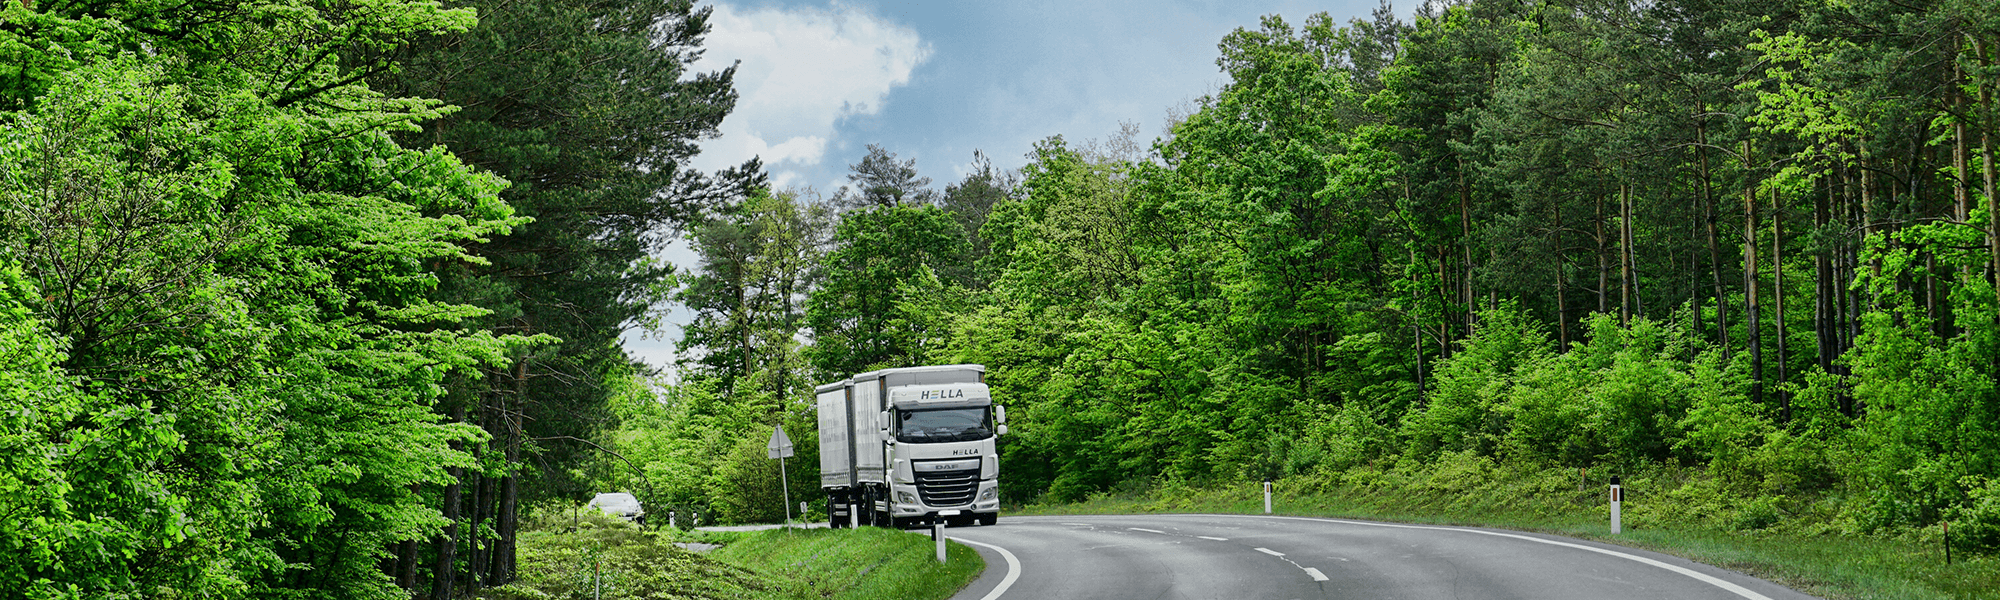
(620, 504)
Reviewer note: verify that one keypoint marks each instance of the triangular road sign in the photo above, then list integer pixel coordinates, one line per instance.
(780, 446)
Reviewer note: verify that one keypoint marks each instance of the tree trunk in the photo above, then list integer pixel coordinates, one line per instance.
(510, 492)
(1631, 267)
(476, 546)
(1754, 334)
(1465, 243)
(1986, 163)
(1603, 263)
(1446, 293)
(1624, 256)
(1562, 303)
(406, 566)
(1714, 249)
(1778, 300)
(1823, 293)
(1850, 302)
(1416, 330)
(1961, 160)
(444, 571)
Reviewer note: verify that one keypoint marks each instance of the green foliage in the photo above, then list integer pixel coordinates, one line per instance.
(593, 111)
(604, 557)
(34, 485)
(744, 485)
(1978, 521)
(234, 348)
(851, 311)
(595, 556)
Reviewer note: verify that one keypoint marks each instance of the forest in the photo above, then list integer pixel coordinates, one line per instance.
(307, 299)
(1744, 246)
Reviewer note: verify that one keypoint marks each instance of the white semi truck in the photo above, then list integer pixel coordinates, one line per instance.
(910, 447)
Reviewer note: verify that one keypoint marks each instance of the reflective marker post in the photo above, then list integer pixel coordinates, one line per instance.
(937, 533)
(1267, 497)
(1617, 498)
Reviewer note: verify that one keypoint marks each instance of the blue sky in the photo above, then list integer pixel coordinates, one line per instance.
(819, 80)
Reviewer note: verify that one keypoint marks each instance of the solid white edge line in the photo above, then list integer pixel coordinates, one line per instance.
(1316, 575)
(1147, 530)
(1013, 568)
(1270, 552)
(1213, 538)
(1697, 575)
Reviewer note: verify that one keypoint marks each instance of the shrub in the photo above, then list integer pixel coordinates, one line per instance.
(1978, 521)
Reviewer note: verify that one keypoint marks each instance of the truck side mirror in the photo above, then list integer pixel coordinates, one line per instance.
(1002, 430)
(883, 419)
(1000, 414)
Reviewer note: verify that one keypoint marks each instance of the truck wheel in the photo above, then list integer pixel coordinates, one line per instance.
(989, 518)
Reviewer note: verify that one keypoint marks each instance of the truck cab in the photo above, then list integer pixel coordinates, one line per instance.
(940, 449)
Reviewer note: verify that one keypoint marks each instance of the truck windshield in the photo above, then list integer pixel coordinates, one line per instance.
(942, 425)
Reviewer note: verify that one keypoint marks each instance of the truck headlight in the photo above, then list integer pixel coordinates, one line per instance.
(989, 493)
(906, 498)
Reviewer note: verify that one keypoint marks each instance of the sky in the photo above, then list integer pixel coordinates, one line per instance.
(818, 81)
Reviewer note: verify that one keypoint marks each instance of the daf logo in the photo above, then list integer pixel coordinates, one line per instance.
(966, 452)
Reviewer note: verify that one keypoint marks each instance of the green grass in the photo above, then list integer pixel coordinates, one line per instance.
(602, 555)
(856, 564)
(1797, 553)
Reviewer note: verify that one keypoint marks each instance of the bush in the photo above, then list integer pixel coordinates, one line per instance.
(1978, 522)
(745, 486)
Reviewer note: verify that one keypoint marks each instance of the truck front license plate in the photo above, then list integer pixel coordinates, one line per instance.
(948, 513)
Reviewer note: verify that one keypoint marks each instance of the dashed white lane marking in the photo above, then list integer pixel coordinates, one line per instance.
(1212, 538)
(1697, 575)
(1147, 530)
(1270, 552)
(1013, 568)
(1316, 575)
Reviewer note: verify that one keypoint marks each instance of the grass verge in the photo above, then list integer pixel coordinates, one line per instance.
(865, 563)
(608, 559)
(1837, 566)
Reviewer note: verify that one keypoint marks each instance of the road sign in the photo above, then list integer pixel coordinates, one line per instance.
(780, 446)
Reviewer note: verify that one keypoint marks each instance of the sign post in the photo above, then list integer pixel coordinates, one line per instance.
(1617, 498)
(781, 448)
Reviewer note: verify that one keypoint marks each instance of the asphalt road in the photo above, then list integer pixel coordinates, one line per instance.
(1243, 556)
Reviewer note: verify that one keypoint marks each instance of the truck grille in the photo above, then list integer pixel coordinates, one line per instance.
(948, 488)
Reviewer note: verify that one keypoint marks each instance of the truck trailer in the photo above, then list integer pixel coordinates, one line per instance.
(910, 447)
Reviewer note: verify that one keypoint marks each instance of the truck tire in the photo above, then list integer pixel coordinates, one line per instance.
(989, 518)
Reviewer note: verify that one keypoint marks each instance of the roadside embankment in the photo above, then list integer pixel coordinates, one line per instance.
(603, 558)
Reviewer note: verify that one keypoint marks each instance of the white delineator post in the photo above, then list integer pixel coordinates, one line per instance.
(937, 533)
(1267, 497)
(1617, 498)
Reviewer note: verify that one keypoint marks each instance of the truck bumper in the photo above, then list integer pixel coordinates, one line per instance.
(908, 504)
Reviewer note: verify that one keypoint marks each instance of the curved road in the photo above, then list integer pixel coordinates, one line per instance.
(1256, 556)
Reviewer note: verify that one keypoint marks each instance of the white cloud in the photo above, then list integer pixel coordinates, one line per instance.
(802, 71)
